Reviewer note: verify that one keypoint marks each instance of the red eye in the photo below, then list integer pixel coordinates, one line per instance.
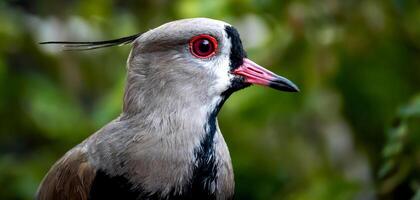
(203, 46)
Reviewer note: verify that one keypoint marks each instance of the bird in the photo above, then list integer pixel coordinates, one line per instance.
(166, 143)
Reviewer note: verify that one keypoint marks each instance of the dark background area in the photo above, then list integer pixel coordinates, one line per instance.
(352, 133)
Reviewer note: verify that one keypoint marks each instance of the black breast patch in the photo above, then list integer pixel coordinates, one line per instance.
(112, 187)
(106, 187)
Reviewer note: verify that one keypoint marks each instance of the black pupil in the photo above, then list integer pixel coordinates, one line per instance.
(204, 46)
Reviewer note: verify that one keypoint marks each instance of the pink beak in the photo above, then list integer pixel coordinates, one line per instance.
(255, 74)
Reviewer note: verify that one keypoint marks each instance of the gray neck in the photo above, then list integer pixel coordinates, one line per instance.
(165, 105)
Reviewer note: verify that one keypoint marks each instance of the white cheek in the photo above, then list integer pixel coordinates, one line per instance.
(223, 74)
(222, 77)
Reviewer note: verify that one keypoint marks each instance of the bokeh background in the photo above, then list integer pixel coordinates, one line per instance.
(352, 133)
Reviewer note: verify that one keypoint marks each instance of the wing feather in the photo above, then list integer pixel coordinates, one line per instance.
(69, 179)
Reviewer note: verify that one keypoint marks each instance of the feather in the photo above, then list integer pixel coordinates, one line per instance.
(81, 46)
(69, 179)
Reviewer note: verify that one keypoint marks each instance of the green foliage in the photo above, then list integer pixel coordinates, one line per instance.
(356, 63)
(400, 169)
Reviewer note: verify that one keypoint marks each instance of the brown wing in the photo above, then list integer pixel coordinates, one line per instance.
(69, 179)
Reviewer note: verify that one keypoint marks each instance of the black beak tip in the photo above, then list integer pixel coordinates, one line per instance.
(294, 89)
(284, 85)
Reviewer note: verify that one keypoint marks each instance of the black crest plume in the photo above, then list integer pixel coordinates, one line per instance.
(80, 46)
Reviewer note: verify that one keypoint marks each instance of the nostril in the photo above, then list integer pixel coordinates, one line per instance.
(256, 70)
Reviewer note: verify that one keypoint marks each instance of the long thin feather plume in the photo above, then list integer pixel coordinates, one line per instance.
(81, 46)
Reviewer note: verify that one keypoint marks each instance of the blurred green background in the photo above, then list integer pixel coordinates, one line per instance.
(352, 133)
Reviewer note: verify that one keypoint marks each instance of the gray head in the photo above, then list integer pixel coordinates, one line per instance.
(192, 60)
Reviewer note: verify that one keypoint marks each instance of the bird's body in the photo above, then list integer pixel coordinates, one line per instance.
(166, 144)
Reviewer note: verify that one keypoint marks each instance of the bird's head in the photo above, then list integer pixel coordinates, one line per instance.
(198, 55)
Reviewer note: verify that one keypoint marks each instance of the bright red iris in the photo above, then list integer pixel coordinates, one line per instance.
(203, 46)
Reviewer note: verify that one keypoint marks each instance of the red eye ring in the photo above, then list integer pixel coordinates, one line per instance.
(203, 46)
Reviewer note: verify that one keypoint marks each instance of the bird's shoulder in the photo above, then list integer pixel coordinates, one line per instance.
(69, 178)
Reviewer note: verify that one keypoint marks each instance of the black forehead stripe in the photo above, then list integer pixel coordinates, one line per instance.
(237, 52)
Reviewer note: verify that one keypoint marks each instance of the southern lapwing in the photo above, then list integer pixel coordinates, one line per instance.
(166, 144)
